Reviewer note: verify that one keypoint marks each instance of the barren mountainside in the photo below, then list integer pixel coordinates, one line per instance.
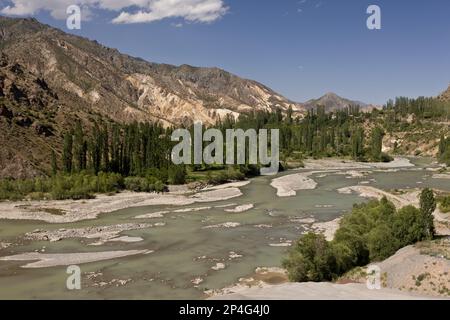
(49, 78)
(31, 121)
(102, 80)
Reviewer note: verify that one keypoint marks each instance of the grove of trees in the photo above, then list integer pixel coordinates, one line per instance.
(371, 232)
(444, 150)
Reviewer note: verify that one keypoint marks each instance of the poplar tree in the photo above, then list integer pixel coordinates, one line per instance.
(54, 163)
(376, 144)
(79, 148)
(427, 208)
(67, 152)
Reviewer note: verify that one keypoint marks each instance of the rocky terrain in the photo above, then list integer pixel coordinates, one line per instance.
(102, 80)
(30, 117)
(49, 78)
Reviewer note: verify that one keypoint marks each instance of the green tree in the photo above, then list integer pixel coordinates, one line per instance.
(54, 163)
(79, 148)
(444, 150)
(427, 208)
(310, 260)
(358, 144)
(381, 242)
(376, 144)
(409, 226)
(371, 232)
(95, 149)
(67, 152)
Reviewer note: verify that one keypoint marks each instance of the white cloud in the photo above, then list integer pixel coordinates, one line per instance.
(131, 11)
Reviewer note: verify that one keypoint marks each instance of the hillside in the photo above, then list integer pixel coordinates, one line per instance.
(49, 78)
(31, 121)
(85, 73)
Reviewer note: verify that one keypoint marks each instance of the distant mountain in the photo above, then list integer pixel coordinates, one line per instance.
(445, 96)
(333, 102)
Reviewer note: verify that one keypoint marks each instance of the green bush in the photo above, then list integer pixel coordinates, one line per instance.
(311, 260)
(75, 186)
(226, 176)
(371, 232)
(408, 226)
(381, 243)
(386, 158)
(177, 175)
(445, 204)
(160, 187)
(147, 184)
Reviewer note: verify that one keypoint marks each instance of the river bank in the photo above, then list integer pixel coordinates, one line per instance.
(197, 241)
(66, 211)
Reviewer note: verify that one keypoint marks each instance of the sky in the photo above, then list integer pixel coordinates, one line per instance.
(299, 48)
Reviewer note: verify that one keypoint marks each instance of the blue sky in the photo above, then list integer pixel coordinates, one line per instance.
(299, 48)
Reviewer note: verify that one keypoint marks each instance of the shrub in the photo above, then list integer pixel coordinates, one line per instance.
(74, 186)
(386, 158)
(177, 175)
(445, 204)
(148, 184)
(371, 232)
(408, 226)
(311, 260)
(381, 243)
(225, 176)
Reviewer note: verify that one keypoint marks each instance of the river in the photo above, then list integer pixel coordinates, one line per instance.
(184, 251)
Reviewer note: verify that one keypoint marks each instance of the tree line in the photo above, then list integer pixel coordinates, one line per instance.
(141, 149)
(422, 108)
(136, 149)
(318, 134)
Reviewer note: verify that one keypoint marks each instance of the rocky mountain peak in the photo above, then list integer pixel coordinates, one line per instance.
(332, 102)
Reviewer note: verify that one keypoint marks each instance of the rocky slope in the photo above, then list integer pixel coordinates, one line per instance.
(30, 121)
(49, 78)
(102, 80)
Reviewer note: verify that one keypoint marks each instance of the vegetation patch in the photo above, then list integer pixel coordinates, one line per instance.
(371, 232)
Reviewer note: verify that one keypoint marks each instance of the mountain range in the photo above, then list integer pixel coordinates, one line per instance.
(332, 102)
(49, 79)
(92, 78)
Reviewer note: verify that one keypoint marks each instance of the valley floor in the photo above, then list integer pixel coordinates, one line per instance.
(66, 211)
(413, 273)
